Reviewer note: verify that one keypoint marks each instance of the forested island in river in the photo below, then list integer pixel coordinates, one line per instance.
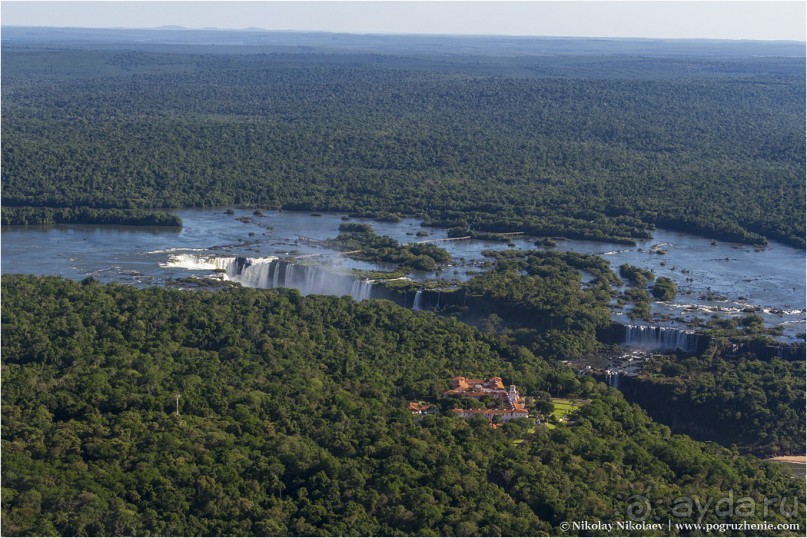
(195, 378)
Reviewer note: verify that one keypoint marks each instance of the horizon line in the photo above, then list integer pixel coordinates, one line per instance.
(400, 34)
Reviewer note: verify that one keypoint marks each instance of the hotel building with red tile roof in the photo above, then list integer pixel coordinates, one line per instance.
(512, 403)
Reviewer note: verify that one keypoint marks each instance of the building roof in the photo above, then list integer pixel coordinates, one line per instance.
(490, 411)
(417, 407)
(476, 388)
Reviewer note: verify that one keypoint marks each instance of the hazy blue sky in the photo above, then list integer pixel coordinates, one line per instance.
(687, 19)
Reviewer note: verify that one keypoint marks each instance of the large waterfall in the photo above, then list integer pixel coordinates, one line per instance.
(277, 273)
(661, 338)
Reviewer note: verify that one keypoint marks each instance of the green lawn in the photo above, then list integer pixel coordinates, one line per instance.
(564, 407)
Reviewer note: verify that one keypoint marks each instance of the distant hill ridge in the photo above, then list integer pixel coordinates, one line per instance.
(446, 44)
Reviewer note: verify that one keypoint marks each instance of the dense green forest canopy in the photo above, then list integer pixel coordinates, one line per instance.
(756, 404)
(16, 215)
(538, 299)
(293, 422)
(579, 146)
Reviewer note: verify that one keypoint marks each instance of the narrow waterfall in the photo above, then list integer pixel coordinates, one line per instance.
(613, 379)
(276, 277)
(287, 278)
(417, 304)
(361, 289)
(661, 338)
(311, 280)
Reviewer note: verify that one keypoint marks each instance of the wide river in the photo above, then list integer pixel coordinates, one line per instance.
(721, 279)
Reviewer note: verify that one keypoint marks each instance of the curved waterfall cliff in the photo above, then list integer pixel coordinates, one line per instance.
(278, 273)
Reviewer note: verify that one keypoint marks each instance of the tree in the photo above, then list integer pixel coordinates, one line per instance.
(664, 289)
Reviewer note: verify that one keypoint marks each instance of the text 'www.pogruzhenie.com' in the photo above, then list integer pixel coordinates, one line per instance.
(703, 528)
